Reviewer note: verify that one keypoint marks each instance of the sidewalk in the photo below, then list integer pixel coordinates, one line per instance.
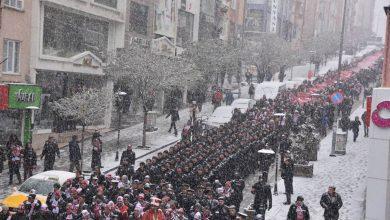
(347, 173)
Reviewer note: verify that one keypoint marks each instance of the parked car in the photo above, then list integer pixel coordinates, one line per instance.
(269, 89)
(42, 183)
(220, 116)
(243, 104)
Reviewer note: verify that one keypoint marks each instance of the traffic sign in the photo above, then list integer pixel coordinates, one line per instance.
(337, 98)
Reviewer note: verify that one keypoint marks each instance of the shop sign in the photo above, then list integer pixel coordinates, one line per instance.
(378, 119)
(22, 96)
(165, 18)
(3, 97)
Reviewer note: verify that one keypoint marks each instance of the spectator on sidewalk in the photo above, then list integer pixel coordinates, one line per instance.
(50, 149)
(263, 196)
(251, 91)
(331, 203)
(29, 161)
(229, 97)
(174, 114)
(74, 154)
(355, 128)
(298, 211)
(15, 158)
(365, 123)
(96, 153)
(217, 98)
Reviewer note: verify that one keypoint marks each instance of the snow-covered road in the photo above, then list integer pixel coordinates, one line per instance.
(347, 173)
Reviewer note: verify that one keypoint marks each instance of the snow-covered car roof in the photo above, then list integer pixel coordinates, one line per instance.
(55, 175)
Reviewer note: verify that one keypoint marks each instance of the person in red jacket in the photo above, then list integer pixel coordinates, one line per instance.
(154, 213)
(217, 99)
(123, 209)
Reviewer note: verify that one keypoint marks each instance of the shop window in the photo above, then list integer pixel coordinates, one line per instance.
(17, 4)
(139, 18)
(66, 34)
(109, 3)
(11, 51)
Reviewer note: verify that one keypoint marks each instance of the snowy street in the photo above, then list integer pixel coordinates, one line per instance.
(347, 173)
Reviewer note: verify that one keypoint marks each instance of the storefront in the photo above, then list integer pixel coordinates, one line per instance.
(17, 102)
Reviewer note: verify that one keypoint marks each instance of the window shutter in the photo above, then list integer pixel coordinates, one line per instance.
(5, 55)
(16, 58)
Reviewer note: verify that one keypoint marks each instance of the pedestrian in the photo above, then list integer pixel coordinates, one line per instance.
(96, 153)
(174, 114)
(298, 211)
(355, 128)
(229, 98)
(365, 123)
(74, 154)
(217, 98)
(331, 203)
(50, 149)
(193, 111)
(287, 176)
(263, 196)
(15, 160)
(29, 161)
(251, 91)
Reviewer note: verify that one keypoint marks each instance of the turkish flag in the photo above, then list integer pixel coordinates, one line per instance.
(3, 97)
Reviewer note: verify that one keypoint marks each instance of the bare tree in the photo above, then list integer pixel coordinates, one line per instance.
(86, 108)
(148, 74)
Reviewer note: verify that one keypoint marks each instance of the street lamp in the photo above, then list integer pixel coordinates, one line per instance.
(264, 153)
(120, 96)
(277, 157)
(32, 108)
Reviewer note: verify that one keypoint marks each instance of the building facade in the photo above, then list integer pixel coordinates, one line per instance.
(15, 21)
(72, 41)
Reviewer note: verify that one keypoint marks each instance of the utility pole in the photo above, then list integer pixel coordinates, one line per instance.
(338, 80)
(242, 46)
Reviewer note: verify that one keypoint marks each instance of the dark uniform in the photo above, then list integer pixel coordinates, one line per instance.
(49, 152)
(331, 204)
(29, 161)
(174, 118)
(74, 154)
(128, 161)
(287, 175)
(263, 197)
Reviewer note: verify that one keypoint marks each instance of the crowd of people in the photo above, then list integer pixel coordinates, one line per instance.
(201, 177)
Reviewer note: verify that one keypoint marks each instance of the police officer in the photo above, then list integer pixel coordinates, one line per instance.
(74, 154)
(263, 196)
(29, 161)
(50, 149)
(287, 175)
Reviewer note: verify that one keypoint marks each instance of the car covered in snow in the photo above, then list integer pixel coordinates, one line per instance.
(243, 104)
(41, 183)
(220, 116)
(269, 89)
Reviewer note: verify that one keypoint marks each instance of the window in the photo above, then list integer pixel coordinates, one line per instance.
(11, 51)
(109, 3)
(66, 34)
(18, 4)
(139, 18)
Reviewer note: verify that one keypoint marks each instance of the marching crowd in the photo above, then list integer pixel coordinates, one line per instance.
(198, 178)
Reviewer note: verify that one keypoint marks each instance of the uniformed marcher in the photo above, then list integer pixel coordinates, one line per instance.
(29, 161)
(74, 154)
(50, 149)
(263, 196)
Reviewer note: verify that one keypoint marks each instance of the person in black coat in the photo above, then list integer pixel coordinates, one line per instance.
(263, 196)
(50, 149)
(287, 176)
(74, 154)
(174, 113)
(331, 202)
(128, 160)
(365, 124)
(355, 128)
(96, 153)
(298, 210)
(2, 158)
(29, 161)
